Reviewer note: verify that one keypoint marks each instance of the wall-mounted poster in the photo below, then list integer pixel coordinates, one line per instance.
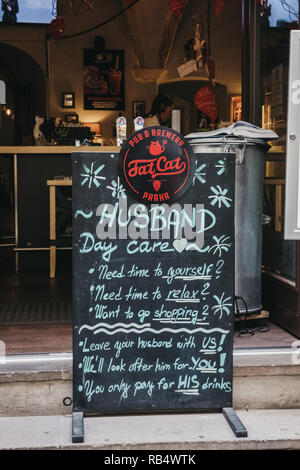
(103, 78)
(236, 108)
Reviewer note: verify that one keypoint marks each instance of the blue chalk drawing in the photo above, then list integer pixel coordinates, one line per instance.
(91, 175)
(219, 197)
(200, 174)
(222, 305)
(136, 328)
(221, 166)
(117, 189)
(220, 245)
(86, 216)
(194, 246)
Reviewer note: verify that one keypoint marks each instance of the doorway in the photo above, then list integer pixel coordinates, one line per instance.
(25, 97)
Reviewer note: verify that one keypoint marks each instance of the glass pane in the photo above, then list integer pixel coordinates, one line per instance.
(283, 12)
(27, 11)
(277, 18)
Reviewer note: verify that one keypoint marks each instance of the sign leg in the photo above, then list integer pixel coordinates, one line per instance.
(234, 422)
(77, 427)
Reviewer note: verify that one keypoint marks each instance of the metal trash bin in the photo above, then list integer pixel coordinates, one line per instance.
(249, 185)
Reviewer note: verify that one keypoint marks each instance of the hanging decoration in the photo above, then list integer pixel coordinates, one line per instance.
(57, 27)
(201, 49)
(218, 6)
(177, 6)
(205, 98)
(205, 101)
(197, 51)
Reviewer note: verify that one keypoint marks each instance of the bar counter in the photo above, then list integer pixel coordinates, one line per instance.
(33, 166)
(53, 149)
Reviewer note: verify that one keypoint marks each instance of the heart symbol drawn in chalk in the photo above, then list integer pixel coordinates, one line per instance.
(180, 245)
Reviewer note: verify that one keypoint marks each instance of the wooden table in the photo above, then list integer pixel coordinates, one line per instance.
(67, 181)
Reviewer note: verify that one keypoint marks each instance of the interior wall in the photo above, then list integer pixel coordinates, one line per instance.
(63, 66)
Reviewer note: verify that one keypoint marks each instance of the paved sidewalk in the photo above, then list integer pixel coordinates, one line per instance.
(267, 429)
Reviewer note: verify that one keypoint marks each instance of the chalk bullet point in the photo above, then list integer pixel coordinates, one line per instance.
(80, 388)
(90, 309)
(80, 366)
(91, 271)
(81, 343)
(92, 288)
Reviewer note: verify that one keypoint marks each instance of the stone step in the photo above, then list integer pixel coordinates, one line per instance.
(267, 429)
(37, 384)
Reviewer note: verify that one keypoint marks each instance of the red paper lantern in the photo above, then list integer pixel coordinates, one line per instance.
(205, 100)
(57, 27)
(177, 6)
(218, 6)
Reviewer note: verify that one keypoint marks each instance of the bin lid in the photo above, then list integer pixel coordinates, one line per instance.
(228, 143)
(239, 130)
(222, 140)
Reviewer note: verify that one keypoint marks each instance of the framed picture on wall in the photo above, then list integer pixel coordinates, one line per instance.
(138, 109)
(104, 79)
(235, 108)
(68, 99)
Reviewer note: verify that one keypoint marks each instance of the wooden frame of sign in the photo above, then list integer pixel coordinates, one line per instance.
(153, 310)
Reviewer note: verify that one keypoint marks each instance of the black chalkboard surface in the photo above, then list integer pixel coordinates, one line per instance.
(153, 290)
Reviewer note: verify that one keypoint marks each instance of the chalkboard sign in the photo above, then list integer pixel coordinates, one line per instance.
(153, 290)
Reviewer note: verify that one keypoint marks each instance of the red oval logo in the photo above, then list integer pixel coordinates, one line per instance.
(157, 164)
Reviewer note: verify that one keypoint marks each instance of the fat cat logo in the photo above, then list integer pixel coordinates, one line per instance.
(156, 164)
